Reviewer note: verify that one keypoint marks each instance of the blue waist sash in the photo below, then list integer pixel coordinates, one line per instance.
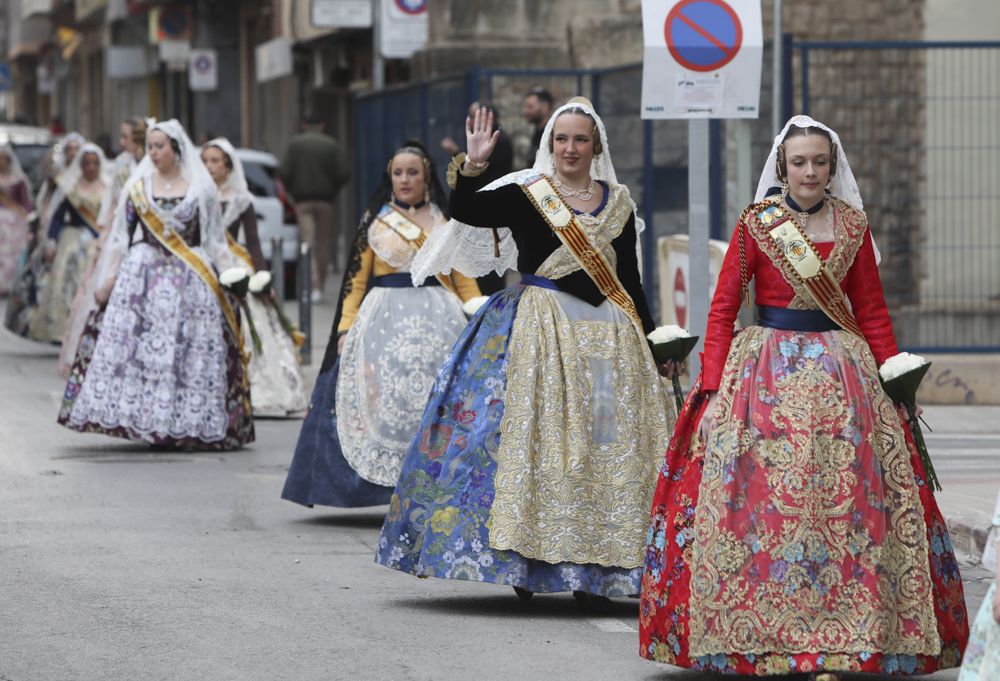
(794, 320)
(540, 282)
(399, 280)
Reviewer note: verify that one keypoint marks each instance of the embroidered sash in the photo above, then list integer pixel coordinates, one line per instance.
(787, 241)
(560, 219)
(177, 246)
(239, 250)
(89, 217)
(411, 232)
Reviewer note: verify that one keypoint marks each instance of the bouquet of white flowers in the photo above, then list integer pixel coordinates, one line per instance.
(236, 280)
(472, 305)
(261, 285)
(672, 343)
(901, 375)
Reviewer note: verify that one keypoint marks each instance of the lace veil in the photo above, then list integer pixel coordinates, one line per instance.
(471, 250)
(68, 178)
(234, 190)
(201, 192)
(843, 185)
(16, 172)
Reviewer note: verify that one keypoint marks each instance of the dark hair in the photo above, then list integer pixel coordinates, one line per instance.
(598, 146)
(312, 120)
(542, 94)
(797, 131)
(176, 146)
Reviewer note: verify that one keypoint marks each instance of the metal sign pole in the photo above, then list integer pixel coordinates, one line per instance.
(378, 63)
(698, 234)
(776, 84)
(305, 301)
(278, 267)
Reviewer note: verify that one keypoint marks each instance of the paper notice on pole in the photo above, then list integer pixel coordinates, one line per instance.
(698, 93)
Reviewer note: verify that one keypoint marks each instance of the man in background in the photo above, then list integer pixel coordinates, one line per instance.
(538, 105)
(313, 169)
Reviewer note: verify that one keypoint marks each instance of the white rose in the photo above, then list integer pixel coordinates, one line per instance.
(233, 275)
(665, 334)
(260, 281)
(472, 305)
(900, 364)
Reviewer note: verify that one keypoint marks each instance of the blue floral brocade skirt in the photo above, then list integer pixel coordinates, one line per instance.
(438, 514)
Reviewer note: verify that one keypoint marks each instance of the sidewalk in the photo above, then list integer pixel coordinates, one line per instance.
(965, 448)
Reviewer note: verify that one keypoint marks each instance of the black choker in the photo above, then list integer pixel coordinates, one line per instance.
(793, 204)
(406, 206)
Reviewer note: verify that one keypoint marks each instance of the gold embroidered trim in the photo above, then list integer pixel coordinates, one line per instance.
(805, 470)
(582, 437)
(821, 291)
(578, 242)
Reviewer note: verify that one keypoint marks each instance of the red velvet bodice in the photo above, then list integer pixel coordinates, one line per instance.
(861, 284)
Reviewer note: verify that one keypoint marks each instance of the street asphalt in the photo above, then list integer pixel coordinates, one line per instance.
(122, 563)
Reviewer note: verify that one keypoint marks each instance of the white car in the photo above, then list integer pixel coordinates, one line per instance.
(275, 213)
(32, 145)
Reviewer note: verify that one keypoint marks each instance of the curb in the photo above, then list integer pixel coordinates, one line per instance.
(968, 534)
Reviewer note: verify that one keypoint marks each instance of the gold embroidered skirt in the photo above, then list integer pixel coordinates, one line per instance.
(585, 426)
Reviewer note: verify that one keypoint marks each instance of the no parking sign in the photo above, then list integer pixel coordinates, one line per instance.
(702, 58)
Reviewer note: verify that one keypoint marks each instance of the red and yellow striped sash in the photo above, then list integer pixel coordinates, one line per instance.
(560, 219)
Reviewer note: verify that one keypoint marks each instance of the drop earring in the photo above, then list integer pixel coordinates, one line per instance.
(784, 190)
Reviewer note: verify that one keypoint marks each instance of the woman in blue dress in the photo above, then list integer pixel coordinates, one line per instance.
(536, 458)
(389, 337)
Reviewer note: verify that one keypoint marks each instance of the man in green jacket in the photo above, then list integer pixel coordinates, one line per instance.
(314, 169)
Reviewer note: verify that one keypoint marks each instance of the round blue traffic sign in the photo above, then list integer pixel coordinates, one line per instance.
(703, 35)
(412, 6)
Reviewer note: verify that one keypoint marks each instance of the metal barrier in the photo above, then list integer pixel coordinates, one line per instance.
(278, 268)
(919, 123)
(304, 286)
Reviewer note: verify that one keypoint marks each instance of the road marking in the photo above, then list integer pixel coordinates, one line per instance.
(611, 626)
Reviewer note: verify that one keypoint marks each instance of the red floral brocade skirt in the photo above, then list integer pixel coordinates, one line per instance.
(801, 537)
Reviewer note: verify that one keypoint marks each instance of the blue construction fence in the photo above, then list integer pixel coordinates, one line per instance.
(917, 119)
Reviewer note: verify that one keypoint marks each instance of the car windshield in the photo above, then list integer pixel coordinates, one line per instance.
(260, 178)
(29, 155)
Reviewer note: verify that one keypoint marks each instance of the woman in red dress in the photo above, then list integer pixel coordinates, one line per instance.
(792, 528)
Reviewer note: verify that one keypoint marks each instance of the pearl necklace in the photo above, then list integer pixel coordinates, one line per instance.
(585, 194)
(169, 185)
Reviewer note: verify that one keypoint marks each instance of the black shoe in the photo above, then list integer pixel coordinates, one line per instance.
(523, 594)
(588, 602)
